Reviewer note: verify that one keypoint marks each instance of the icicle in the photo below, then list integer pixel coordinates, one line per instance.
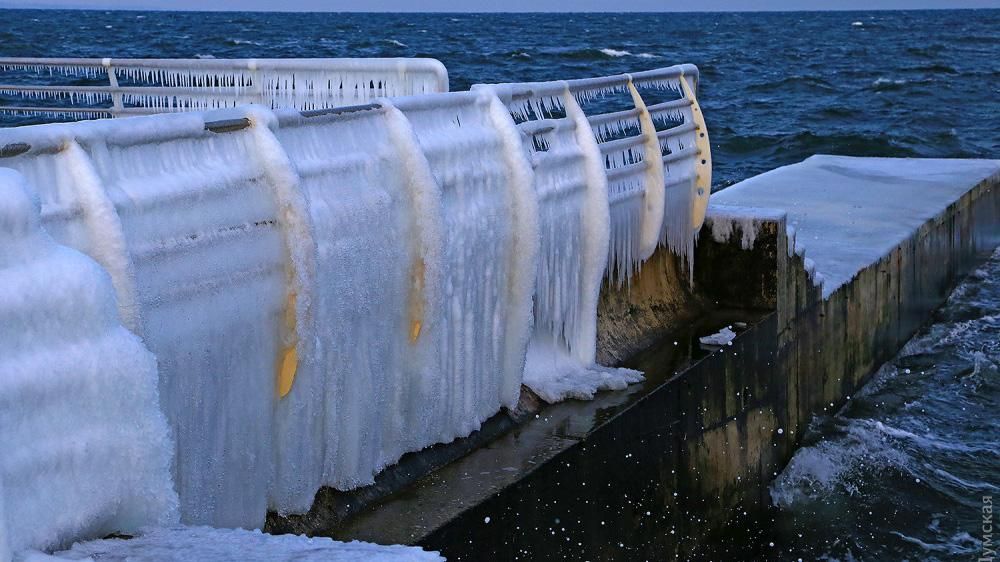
(273, 83)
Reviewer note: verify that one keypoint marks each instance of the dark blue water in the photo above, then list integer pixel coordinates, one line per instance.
(776, 88)
(903, 471)
(900, 473)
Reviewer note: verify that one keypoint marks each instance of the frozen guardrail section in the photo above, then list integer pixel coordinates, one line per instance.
(205, 238)
(51, 86)
(613, 182)
(656, 155)
(328, 290)
(83, 445)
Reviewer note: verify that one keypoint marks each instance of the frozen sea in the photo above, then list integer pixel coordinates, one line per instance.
(901, 472)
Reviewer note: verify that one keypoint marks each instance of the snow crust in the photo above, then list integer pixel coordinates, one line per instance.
(720, 338)
(180, 544)
(845, 213)
(84, 449)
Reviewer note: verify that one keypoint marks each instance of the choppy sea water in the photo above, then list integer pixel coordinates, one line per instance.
(899, 474)
(776, 87)
(905, 470)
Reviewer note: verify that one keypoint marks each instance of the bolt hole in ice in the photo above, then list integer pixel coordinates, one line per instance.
(323, 292)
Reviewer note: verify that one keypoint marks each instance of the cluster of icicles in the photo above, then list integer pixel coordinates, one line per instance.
(135, 86)
(326, 293)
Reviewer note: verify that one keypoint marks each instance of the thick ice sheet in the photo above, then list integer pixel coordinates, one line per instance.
(84, 449)
(183, 544)
(846, 213)
(376, 209)
(490, 236)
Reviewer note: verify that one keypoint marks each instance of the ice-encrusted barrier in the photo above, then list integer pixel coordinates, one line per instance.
(611, 188)
(326, 291)
(52, 87)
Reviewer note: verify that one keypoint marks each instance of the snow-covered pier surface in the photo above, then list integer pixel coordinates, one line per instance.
(182, 544)
(845, 213)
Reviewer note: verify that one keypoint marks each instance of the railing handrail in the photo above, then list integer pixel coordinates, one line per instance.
(630, 141)
(342, 63)
(525, 90)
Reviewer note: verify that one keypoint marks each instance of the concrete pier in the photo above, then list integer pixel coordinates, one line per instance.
(824, 268)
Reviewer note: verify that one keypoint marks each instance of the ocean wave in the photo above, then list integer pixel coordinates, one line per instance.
(882, 83)
(926, 51)
(959, 544)
(966, 484)
(830, 465)
(798, 145)
(797, 82)
(233, 41)
(936, 68)
(885, 84)
(615, 53)
(395, 42)
(927, 441)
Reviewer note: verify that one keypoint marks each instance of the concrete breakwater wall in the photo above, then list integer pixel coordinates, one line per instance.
(679, 466)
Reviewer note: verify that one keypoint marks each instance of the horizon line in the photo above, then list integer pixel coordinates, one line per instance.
(349, 11)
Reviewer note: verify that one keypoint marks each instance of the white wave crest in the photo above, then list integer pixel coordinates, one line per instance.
(827, 466)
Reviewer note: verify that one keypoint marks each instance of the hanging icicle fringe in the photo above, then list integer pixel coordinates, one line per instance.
(628, 141)
(626, 201)
(195, 84)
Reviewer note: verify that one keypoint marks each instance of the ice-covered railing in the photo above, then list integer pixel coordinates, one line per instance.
(324, 291)
(327, 290)
(202, 228)
(571, 188)
(423, 220)
(656, 154)
(73, 88)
